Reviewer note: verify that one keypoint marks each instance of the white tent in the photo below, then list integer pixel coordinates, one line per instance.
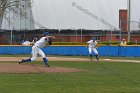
(77, 14)
(135, 15)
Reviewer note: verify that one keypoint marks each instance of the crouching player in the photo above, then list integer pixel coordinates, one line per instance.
(92, 44)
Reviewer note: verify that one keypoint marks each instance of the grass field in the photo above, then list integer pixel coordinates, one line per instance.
(105, 77)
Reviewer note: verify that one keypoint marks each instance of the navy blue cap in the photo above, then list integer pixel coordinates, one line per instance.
(46, 33)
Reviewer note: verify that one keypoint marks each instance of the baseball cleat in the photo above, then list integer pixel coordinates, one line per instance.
(47, 65)
(97, 59)
(21, 61)
(90, 61)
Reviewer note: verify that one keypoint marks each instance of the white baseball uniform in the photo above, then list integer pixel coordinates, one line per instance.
(26, 43)
(36, 48)
(92, 46)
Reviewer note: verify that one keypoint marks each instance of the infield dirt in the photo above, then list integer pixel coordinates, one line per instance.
(8, 65)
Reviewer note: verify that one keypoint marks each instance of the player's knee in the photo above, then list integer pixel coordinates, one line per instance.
(96, 53)
(33, 59)
(43, 56)
(90, 52)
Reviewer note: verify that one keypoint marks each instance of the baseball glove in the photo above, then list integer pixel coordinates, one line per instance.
(50, 41)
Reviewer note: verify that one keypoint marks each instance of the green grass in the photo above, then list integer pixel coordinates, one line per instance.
(97, 78)
(101, 57)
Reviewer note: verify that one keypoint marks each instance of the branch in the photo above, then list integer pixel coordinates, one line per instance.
(12, 2)
(11, 6)
(3, 4)
(6, 4)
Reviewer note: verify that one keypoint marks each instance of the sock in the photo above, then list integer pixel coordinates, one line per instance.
(90, 56)
(45, 61)
(97, 57)
(26, 60)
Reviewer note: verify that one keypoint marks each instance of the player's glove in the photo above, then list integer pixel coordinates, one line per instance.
(50, 41)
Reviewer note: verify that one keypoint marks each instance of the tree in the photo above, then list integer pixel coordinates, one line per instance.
(8, 4)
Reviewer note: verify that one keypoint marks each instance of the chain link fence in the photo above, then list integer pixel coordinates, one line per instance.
(82, 36)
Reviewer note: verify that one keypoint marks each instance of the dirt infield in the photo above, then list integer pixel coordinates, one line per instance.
(11, 59)
(7, 59)
(8, 65)
(22, 68)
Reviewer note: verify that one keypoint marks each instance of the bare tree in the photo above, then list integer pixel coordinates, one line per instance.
(8, 4)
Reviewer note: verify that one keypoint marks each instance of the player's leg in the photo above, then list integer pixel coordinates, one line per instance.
(34, 55)
(43, 57)
(90, 53)
(96, 53)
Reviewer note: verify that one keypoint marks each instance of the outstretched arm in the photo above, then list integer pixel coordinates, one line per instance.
(50, 37)
(97, 44)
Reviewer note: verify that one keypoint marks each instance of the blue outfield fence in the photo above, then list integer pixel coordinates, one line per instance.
(128, 51)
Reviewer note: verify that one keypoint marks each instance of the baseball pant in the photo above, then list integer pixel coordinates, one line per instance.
(94, 50)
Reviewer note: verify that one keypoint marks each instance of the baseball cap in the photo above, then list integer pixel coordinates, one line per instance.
(46, 33)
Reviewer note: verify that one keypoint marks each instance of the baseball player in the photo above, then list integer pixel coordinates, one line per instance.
(123, 43)
(36, 49)
(92, 44)
(34, 40)
(26, 43)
